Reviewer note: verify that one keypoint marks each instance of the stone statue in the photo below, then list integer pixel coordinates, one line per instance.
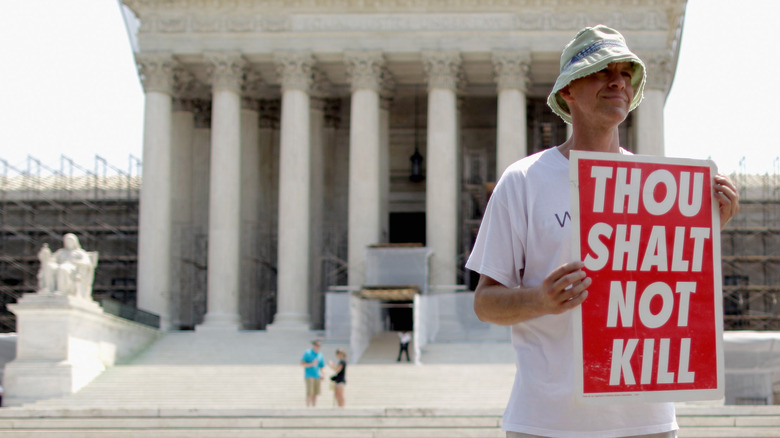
(69, 270)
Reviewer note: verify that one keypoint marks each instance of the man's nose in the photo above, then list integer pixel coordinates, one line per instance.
(617, 80)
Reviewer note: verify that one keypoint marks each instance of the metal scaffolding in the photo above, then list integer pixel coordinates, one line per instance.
(40, 203)
(750, 248)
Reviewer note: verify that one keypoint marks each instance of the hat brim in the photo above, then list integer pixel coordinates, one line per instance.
(559, 105)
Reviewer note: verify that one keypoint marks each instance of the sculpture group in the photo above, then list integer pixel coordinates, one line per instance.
(69, 270)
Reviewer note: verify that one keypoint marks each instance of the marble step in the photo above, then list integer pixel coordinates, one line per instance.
(699, 422)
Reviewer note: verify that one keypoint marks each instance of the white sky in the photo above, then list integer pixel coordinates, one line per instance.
(69, 85)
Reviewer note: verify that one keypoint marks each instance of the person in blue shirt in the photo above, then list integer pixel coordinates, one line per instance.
(313, 362)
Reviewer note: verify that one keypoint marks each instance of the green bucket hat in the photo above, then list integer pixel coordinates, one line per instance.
(590, 51)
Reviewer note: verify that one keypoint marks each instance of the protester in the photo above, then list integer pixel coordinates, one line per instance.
(528, 278)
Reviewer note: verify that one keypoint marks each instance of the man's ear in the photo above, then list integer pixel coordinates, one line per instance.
(566, 94)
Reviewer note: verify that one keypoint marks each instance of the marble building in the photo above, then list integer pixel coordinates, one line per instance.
(280, 137)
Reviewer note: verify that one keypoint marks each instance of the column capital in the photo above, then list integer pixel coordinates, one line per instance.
(443, 69)
(253, 86)
(511, 69)
(296, 70)
(366, 69)
(156, 71)
(659, 70)
(321, 86)
(186, 85)
(226, 70)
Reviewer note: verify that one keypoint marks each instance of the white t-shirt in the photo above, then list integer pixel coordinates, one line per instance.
(527, 225)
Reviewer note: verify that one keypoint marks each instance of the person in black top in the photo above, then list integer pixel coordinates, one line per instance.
(340, 376)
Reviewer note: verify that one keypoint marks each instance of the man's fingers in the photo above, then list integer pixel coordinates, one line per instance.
(568, 290)
(728, 198)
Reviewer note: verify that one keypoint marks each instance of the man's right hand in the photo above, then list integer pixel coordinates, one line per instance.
(563, 289)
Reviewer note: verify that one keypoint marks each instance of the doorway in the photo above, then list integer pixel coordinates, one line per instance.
(407, 227)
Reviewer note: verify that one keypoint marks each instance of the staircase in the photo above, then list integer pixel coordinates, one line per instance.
(249, 384)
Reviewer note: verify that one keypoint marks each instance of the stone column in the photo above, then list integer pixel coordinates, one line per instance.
(443, 70)
(296, 74)
(511, 70)
(268, 172)
(649, 115)
(154, 238)
(181, 198)
(250, 209)
(226, 70)
(364, 70)
(384, 169)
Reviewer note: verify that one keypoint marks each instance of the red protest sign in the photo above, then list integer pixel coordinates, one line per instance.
(648, 230)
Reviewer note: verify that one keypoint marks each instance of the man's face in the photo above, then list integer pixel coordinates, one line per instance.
(316, 346)
(606, 94)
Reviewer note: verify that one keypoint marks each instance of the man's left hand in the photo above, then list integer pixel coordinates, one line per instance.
(728, 198)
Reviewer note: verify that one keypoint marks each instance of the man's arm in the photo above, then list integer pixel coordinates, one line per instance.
(728, 198)
(563, 289)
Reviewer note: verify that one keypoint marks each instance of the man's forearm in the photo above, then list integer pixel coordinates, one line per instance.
(498, 304)
(562, 290)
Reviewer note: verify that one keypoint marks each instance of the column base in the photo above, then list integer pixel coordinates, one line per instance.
(219, 322)
(290, 321)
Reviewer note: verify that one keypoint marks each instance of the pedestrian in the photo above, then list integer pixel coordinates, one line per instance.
(313, 362)
(528, 279)
(339, 377)
(403, 347)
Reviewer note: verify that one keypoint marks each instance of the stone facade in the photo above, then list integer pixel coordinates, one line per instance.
(278, 136)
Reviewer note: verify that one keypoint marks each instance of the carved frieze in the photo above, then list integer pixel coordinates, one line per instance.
(531, 20)
(145, 7)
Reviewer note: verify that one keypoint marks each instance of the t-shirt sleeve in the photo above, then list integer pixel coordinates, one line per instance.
(499, 251)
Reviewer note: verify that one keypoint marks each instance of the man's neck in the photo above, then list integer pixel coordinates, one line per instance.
(591, 140)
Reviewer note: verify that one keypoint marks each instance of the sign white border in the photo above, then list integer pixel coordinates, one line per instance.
(646, 396)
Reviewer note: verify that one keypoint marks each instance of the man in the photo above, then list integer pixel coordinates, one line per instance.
(523, 254)
(404, 338)
(313, 362)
